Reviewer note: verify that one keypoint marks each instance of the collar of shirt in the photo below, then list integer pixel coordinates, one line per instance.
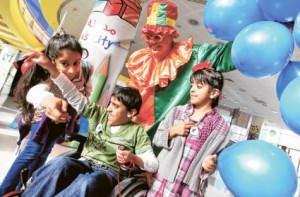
(115, 129)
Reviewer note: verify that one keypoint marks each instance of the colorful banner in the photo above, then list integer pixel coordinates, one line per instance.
(35, 20)
(110, 30)
(7, 57)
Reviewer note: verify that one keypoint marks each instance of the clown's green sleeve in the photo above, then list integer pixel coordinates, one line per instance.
(177, 92)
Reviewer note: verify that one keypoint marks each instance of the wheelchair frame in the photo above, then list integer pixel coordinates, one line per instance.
(134, 186)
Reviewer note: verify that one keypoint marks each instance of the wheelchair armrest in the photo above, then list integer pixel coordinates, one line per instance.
(24, 178)
(76, 137)
(136, 172)
(141, 175)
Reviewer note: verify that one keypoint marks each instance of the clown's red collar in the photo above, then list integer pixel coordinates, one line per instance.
(145, 72)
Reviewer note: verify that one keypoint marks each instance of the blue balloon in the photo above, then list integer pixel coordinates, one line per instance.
(267, 18)
(296, 30)
(288, 73)
(224, 20)
(290, 105)
(257, 168)
(280, 10)
(262, 49)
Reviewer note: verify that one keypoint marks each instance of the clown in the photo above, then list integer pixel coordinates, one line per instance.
(162, 71)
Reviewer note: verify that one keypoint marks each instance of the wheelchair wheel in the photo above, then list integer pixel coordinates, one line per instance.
(135, 189)
(131, 187)
(140, 193)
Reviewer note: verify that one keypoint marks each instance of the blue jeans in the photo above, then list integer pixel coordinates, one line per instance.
(32, 157)
(64, 176)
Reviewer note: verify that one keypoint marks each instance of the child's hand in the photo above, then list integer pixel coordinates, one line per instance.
(42, 60)
(209, 163)
(38, 57)
(56, 109)
(181, 129)
(124, 156)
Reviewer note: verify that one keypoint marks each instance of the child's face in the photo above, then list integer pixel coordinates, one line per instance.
(117, 112)
(69, 63)
(201, 94)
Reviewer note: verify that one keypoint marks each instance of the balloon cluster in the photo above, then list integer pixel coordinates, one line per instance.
(262, 44)
(263, 34)
(288, 87)
(257, 168)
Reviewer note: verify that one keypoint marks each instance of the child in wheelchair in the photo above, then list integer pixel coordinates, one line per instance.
(97, 171)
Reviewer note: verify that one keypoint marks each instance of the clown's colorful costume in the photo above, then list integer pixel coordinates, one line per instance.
(167, 85)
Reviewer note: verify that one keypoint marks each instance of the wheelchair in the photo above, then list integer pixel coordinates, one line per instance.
(135, 184)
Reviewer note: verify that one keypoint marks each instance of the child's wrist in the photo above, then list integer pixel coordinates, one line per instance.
(171, 133)
(54, 73)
